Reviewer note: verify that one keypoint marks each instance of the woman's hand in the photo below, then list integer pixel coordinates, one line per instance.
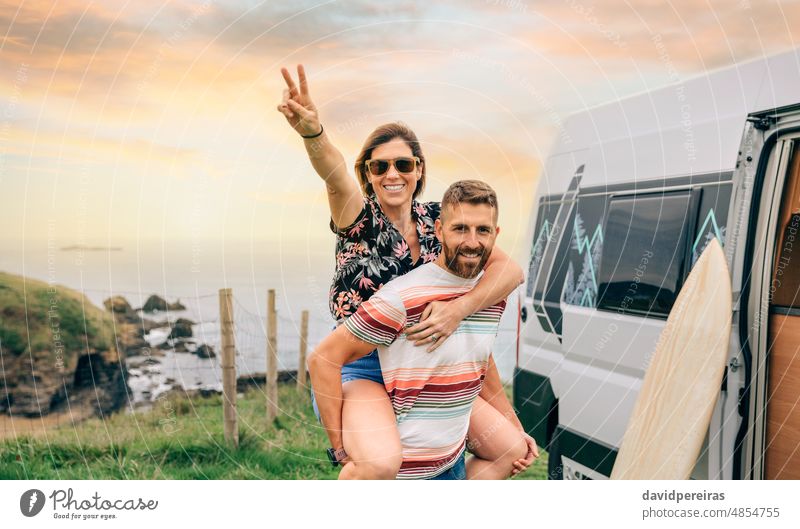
(297, 106)
(440, 319)
(344, 193)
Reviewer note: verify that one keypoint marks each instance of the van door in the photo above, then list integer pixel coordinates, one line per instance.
(768, 145)
(782, 417)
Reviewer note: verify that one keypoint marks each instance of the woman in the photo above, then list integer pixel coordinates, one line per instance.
(383, 232)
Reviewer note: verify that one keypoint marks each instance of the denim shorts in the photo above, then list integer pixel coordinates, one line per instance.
(367, 367)
(457, 471)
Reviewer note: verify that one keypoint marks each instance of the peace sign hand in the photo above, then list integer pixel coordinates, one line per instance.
(297, 106)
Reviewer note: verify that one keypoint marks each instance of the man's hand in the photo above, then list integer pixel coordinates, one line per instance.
(520, 465)
(296, 106)
(440, 319)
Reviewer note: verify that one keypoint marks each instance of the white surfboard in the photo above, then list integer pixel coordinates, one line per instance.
(681, 385)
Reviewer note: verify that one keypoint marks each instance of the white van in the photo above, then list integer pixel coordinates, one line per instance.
(630, 195)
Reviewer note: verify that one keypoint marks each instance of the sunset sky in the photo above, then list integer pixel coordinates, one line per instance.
(151, 120)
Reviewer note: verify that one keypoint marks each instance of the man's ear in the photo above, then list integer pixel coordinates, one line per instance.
(437, 229)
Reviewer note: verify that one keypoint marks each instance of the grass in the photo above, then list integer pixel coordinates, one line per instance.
(183, 439)
(35, 315)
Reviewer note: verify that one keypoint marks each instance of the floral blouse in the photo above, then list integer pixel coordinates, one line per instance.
(370, 252)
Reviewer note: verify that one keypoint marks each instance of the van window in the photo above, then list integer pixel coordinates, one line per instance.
(644, 260)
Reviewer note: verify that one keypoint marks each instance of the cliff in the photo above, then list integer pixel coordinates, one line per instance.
(56, 349)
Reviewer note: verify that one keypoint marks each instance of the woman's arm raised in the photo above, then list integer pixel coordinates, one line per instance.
(344, 195)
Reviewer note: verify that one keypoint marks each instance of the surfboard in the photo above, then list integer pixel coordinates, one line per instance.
(683, 379)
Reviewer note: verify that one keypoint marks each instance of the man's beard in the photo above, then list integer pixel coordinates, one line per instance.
(467, 270)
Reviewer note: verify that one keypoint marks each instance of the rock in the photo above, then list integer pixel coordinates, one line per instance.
(121, 310)
(176, 306)
(180, 347)
(155, 303)
(98, 382)
(118, 305)
(140, 362)
(205, 351)
(130, 337)
(131, 327)
(149, 325)
(182, 328)
(44, 370)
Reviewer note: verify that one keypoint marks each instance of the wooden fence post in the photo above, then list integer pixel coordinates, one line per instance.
(272, 358)
(301, 362)
(228, 344)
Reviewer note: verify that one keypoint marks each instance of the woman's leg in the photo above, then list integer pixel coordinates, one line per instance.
(494, 441)
(369, 432)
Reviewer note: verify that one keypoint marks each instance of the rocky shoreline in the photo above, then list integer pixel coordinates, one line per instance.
(132, 328)
(64, 355)
(144, 349)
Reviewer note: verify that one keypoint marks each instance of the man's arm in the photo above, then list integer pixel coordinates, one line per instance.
(325, 368)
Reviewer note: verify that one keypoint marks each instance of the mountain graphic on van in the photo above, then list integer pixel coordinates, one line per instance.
(583, 291)
(537, 252)
(708, 230)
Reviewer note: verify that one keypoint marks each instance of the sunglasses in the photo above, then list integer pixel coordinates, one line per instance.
(403, 165)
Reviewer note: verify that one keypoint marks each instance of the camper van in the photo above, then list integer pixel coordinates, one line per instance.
(631, 194)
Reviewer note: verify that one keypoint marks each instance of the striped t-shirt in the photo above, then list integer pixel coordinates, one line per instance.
(432, 393)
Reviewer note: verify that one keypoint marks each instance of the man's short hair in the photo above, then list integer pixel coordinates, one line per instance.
(472, 192)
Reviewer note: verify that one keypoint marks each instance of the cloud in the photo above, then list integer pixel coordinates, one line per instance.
(113, 65)
(696, 36)
(189, 88)
(50, 146)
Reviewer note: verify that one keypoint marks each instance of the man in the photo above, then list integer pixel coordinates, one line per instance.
(431, 393)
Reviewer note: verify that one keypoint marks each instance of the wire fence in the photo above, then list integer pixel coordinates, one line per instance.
(151, 355)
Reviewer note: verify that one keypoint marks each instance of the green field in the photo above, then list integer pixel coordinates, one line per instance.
(182, 438)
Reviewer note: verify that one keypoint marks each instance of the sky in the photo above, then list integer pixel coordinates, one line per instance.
(139, 120)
